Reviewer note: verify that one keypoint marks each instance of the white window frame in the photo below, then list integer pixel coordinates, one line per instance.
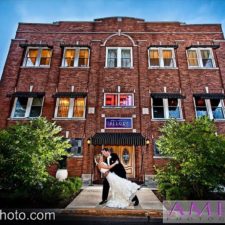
(166, 109)
(118, 94)
(28, 108)
(119, 49)
(199, 58)
(76, 58)
(209, 109)
(161, 62)
(71, 108)
(38, 61)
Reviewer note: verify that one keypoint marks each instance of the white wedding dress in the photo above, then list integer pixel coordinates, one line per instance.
(122, 190)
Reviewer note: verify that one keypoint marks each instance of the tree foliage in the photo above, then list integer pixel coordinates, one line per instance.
(26, 150)
(197, 164)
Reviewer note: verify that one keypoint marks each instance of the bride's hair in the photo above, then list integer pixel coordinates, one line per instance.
(97, 158)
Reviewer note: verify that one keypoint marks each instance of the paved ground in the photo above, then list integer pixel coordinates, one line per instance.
(86, 203)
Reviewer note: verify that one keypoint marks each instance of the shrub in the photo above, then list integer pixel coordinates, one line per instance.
(198, 159)
(25, 152)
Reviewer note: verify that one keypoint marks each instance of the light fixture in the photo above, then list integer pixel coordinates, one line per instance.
(147, 142)
(88, 141)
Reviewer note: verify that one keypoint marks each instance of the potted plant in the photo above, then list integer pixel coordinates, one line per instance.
(62, 172)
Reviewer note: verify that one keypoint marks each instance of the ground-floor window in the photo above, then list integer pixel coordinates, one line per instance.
(76, 149)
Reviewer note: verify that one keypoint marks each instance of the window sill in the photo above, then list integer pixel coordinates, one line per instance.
(219, 120)
(162, 157)
(118, 107)
(75, 156)
(179, 120)
(76, 68)
(125, 68)
(203, 68)
(163, 68)
(22, 118)
(81, 119)
(35, 67)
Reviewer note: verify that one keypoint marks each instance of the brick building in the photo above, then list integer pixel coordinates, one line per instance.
(113, 82)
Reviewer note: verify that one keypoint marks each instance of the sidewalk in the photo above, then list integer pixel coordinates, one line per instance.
(86, 203)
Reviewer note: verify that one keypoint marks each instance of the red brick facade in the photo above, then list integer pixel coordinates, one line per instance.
(97, 79)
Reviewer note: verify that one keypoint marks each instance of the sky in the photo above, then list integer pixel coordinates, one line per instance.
(47, 11)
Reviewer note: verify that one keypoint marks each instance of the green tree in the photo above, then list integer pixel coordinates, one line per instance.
(26, 150)
(197, 164)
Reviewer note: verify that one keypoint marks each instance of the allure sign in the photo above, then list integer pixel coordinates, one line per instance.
(118, 123)
(194, 211)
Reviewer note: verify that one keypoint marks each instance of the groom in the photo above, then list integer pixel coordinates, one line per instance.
(118, 169)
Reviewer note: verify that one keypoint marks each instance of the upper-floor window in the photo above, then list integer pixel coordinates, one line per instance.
(162, 57)
(200, 57)
(76, 57)
(37, 57)
(118, 100)
(165, 108)
(70, 107)
(214, 108)
(119, 57)
(25, 107)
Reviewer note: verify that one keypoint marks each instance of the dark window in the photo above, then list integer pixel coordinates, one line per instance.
(76, 148)
(158, 109)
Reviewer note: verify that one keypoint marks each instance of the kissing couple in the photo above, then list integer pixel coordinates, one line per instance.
(123, 190)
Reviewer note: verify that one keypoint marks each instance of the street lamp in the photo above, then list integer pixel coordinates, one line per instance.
(89, 144)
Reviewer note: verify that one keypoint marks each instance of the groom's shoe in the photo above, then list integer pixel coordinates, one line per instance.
(102, 202)
(135, 201)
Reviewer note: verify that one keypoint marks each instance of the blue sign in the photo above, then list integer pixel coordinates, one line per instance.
(118, 123)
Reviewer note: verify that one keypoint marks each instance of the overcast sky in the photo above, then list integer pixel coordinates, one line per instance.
(47, 11)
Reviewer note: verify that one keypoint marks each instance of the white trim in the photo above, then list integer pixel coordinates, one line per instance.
(118, 128)
(119, 49)
(166, 110)
(161, 61)
(199, 58)
(70, 111)
(38, 60)
(118, 100)
(76, 57)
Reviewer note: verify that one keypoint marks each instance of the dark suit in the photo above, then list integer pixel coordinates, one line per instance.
(118, 170)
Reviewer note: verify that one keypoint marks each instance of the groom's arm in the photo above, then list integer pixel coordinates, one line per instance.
(114, 157)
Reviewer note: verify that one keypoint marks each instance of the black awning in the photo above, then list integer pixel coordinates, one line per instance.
(210, 95)
(25, 45)
(203, 46)
(167, 95)
(69, 94)
(163, 46)
(118, 139)
(27, 94)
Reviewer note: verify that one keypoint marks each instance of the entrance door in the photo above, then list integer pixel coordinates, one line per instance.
(127, 158)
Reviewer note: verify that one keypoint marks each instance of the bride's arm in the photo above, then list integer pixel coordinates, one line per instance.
(104, 166)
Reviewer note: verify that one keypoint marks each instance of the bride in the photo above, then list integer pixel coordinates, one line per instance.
(122, 189)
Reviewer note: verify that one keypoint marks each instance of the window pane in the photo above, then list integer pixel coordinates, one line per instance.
(45, 57)
(156, 149)
(206, 59)
(63, 107)
(174, 109)
(125, 58)
(76, 148)
(79, 107)
(21, 105)
(31, 58)
(158, 109)
(83, 58)
(111, 100)
(168, 58)
(217, 108)
(112, 58)
(36, 107)
(192, 58)
(69, 57)
(201, 109)
(154, 58)
(126, 100)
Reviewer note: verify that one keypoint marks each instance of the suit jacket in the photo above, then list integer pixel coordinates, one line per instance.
(117, 169)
